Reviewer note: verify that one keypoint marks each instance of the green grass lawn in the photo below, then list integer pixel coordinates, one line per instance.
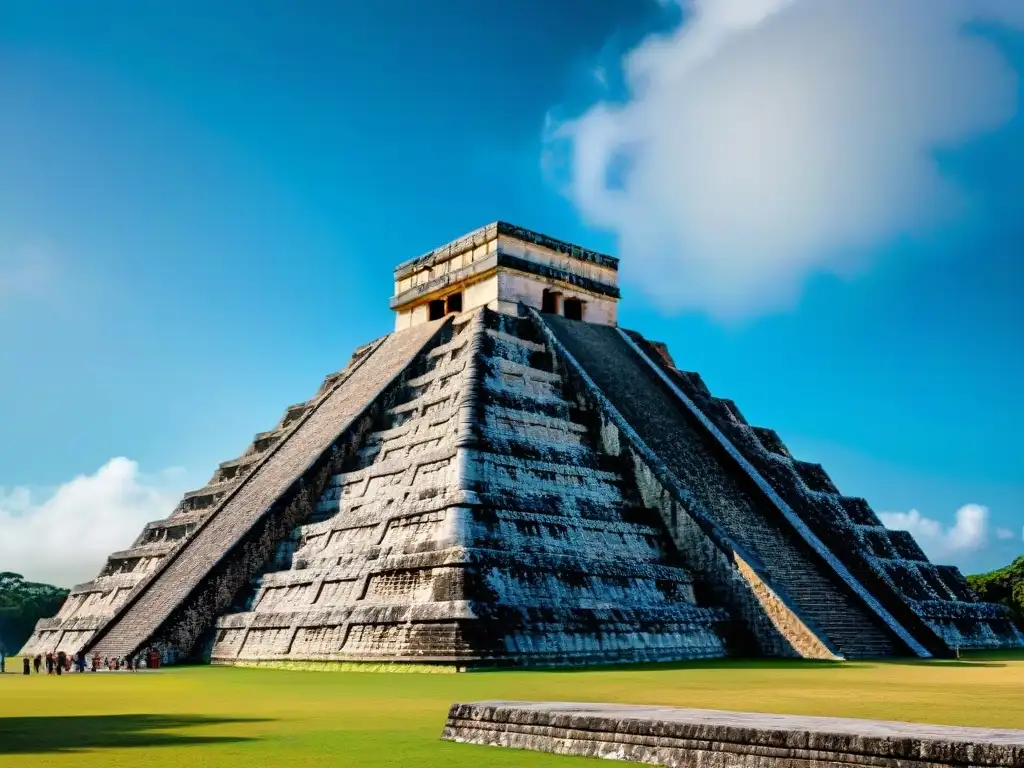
(208, 716)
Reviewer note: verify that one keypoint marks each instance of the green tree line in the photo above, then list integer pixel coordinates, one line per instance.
(22, 604)
(1005, 586)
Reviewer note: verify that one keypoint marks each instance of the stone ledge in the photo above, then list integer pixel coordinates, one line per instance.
(688, 738)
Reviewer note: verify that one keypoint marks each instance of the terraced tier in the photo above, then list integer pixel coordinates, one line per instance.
(90, 605)
(933, 602)
(794, 568)
(477, 523)
(179, 600)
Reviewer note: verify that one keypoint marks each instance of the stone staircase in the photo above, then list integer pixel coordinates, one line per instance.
(792, 567)
(934, 603)
(199, 579)
(478, 523)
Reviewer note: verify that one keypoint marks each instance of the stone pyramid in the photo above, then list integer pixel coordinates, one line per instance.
(511, 479)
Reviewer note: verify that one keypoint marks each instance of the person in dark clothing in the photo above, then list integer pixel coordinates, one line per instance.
(27, 666)
(37, 662)
(49, 662)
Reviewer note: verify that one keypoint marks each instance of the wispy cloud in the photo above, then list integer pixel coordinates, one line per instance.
(970, 534)
(768, 140)
(1007, 534)
(64, 537)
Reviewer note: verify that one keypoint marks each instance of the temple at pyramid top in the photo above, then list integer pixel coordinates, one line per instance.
(510, 478)
(501, 266)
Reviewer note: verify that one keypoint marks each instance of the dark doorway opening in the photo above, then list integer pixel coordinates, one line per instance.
(455, 303)
(549, 302)
(573, 309)
(436, 309)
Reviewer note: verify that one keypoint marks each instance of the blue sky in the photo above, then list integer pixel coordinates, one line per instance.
(200, 210)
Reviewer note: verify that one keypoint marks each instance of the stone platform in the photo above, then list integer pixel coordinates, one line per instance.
(705, 738)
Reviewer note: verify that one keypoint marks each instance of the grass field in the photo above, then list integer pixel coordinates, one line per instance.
(210, 717)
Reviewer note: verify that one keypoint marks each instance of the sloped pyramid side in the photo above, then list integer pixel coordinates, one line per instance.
(91, 604)
(478, 523)
(177, 601)
(862, 586)
(934, 601)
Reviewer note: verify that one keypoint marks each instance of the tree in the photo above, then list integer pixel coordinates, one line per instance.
(22, 604)
(1005, 586)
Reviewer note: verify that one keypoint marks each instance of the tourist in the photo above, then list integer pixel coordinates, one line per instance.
(49, 662)
(3, 660)
(27, 666)
(37, 662)
(95, 662)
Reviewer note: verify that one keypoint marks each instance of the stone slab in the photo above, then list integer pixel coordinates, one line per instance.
(705, 738)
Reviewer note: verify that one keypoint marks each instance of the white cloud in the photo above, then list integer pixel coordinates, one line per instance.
(968, 533)
(1005, 534)
(65, 538)
(768, 140)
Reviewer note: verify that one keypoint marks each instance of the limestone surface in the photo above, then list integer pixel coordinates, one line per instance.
(702, 738)
(511, 479)
(478, 522)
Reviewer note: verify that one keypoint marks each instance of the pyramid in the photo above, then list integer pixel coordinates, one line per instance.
(510, 479)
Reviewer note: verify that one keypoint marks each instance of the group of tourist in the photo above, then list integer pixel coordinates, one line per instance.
(60, 662)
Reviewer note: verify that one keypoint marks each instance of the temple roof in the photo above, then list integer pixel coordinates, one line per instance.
(487, 233)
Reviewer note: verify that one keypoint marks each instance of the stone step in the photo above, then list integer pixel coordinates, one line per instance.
(703, 737)
(819, 595)
(183, 574)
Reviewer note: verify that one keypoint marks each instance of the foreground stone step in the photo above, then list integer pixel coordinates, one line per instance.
(707, 738)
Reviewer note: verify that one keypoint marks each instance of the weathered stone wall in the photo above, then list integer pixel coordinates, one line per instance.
(272, 481)
(500, 266)
(696, 738)
(91, 605)
(822, 600)
(934, 603)
(366, 552)
(478, 523)
(765, 622)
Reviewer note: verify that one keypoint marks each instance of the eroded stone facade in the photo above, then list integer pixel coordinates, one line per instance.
(932, 602)
(703, 738)
(503, 483)
(501, 266)
(479, 522)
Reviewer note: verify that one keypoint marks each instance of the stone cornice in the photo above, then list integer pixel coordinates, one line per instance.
(492, 262)
(490, 232)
